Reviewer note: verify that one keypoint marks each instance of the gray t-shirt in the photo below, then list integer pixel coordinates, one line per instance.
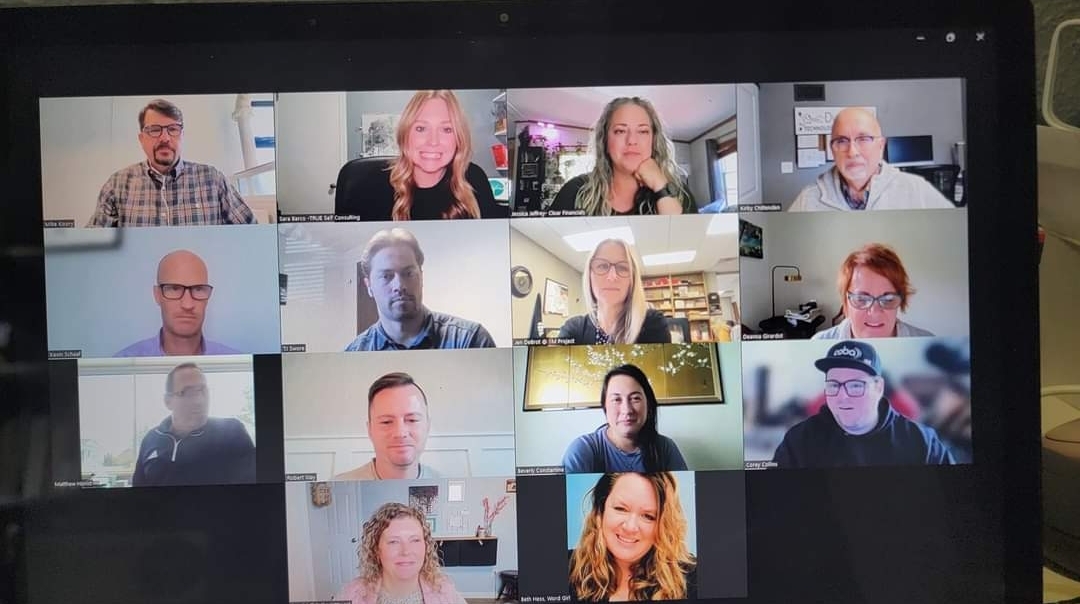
(593, 452)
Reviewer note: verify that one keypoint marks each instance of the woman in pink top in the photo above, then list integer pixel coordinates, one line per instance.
(399, 563)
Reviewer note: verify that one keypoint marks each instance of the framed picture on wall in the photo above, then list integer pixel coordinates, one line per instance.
(556, 298)
(751, 240)
(571, 377)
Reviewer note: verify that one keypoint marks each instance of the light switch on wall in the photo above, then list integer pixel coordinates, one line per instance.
(786, 167)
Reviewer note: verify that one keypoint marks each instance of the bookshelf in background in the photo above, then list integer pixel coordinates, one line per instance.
(681, 296)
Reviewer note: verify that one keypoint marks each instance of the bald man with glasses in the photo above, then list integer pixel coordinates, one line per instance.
(165, 190)
(182, 292)
(860, 179)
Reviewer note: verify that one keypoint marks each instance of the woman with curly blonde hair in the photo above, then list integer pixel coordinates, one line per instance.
(399, 563)
(633, 542)
(432, 178)
(634, 170)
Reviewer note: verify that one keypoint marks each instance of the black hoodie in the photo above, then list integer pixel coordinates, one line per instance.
(221, 452)
(819, 442)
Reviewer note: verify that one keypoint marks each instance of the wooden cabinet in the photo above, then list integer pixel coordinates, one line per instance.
(681, 296)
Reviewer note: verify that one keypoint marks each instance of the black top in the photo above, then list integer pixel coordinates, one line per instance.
(654, 330)
(566, 199)
(221, 452)
(372, 198)
(819, 442)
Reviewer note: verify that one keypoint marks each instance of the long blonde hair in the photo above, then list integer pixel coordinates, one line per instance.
(659, 575)
(371, 569)
(593, 195)
(634, 306)
(464, 204)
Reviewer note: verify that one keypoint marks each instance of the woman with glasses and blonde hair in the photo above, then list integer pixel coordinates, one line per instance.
(873, 288)
(633, 542)
(618, 312)
(432, 178)
(634, 171)
(399, 563)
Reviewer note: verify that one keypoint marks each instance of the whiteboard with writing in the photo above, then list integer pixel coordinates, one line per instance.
(818, 120)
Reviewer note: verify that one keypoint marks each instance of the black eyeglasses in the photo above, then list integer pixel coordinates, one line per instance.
(190, 392)
(603, 267)
(843, 143)
(865, 301)
(852, 387)
(155, 131)
(175, 291)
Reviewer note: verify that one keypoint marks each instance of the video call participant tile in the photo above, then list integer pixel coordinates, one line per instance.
(602, 151)
(637, 535)
(374, 416)
(624, 280)
(831, 404)
(393, 155)
(391, 286)
(639, 408)
(184, 160)
(348, 540)
(864, 145)
(166, 421)
(853, 275)
(161, 291)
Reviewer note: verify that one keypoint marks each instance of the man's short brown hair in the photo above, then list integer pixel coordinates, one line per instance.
(164, 108)
(392, 380)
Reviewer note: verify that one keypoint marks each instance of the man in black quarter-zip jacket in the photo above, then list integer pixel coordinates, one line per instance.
(189, 447)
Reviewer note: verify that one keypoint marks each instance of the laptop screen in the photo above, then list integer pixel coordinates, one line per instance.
(524, 318)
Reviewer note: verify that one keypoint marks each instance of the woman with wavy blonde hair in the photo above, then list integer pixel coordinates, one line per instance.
(432, 177)
(617, 310)
(399, 563)
(633, 542)
(634, 170)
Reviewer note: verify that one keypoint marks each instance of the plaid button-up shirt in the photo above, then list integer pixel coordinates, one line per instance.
(190, 194)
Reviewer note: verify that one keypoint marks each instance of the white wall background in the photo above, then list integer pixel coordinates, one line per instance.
(472, 420)
(932, 244)
(466, 274)
(311, 141)
(84, 140)
(709, 436)
(99, 285)
(309, 575)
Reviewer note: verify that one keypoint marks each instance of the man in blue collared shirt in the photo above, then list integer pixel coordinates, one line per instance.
(182, 293)
(393, 263)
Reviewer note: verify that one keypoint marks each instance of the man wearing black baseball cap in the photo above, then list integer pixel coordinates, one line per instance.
(857, 426)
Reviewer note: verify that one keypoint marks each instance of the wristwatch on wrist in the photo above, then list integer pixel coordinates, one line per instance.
(668, 190)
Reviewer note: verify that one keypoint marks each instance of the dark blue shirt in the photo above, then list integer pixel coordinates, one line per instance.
(820, 442)
(439, 331)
